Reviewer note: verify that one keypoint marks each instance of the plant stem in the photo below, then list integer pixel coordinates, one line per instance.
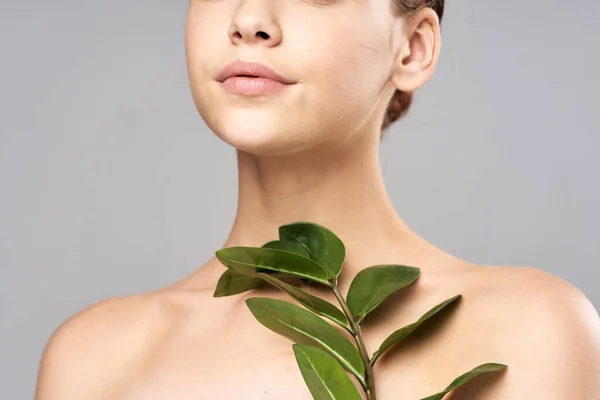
(356, 332)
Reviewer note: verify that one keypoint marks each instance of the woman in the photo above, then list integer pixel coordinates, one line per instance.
(307, 145)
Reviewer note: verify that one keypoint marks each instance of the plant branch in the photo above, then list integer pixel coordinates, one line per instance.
(356, 333)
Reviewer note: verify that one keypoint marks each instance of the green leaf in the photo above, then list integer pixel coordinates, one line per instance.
(311, 302)
(292, 247)
(304, 327)
(464, 378)
(373, 285)
(402, 333)
(246, 261)
(324, 376)
(231, 283)
(322, 245)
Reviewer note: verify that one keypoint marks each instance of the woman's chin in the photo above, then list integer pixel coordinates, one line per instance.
(263, 139)
(263, 145)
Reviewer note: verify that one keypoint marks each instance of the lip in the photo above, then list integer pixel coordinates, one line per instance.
(257, 69)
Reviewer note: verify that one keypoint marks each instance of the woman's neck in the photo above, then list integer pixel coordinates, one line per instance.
(342, 190)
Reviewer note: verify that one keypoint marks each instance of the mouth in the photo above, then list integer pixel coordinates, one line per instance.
(252, 70)
(252, 85)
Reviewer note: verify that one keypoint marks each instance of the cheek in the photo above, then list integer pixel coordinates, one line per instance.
(348, 70)
(198, 46)
(203, 55)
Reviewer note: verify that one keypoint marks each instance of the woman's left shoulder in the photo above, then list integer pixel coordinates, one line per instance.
(549, 329)
(551, 310)
(540, 295)
(537, 287)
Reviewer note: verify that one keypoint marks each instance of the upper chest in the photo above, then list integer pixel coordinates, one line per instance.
(242, 371)
(230, 355)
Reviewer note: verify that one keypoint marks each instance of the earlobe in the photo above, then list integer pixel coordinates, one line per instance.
(416, 61)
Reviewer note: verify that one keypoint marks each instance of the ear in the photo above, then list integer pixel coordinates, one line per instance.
(419, 52)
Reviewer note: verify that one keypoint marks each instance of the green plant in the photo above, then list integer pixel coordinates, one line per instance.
(315, 254)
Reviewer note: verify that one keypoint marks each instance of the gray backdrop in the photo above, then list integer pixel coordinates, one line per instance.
(105, 165)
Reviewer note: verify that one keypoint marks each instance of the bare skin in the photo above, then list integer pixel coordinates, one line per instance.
(310, 153)
(181, 343)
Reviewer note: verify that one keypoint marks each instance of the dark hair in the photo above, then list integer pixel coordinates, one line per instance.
(401, 101)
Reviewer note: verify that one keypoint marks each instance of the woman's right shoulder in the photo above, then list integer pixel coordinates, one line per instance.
(107, 320)
(90, 350)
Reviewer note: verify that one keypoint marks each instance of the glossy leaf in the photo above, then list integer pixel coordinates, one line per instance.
(374, 284)
(292, 247)
(246, 261)
(464, 378)
(324, 376)
(321, 244)
(311, 302)
(231, 283)
(402, 333)
(304, 327)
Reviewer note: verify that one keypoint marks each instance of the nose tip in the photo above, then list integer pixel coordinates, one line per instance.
(258, 36)
(254, 22)
(254, 36)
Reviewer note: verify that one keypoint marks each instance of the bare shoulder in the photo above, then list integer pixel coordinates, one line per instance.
(540, 301)
(92, 353)
(86, 345)
(552, 336)
(539, 295)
